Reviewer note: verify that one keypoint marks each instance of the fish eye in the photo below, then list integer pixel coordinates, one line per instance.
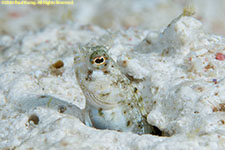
(99, 59)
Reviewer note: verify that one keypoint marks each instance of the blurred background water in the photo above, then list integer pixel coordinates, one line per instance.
(111, 14)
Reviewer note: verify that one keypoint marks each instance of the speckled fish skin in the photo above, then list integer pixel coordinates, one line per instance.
(112, 101)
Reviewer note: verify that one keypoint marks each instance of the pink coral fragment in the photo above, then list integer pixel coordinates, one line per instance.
(220, 56)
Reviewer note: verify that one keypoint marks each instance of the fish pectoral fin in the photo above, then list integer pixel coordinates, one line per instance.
(87, 119)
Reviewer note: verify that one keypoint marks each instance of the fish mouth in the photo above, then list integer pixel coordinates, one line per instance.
(91, 98)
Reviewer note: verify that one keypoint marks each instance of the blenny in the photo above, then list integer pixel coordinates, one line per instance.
(112, 101)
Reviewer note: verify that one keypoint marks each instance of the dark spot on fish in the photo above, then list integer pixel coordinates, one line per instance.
(106, 71)
(140, 100)
(131, 78)
(100, 112)
(43, 96)
(89, 73)
(129, 123)
(131, 105)
(62, 109)
(135, 90)
(124, 111)
(34, 118)
(165, 52)
(148, 41)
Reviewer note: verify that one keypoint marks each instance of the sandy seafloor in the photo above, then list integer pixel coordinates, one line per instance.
(179, 70)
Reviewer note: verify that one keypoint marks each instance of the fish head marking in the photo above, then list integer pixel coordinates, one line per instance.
(95, 70)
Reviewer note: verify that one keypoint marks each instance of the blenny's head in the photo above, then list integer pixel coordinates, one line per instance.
(95, 70)
(91, 60)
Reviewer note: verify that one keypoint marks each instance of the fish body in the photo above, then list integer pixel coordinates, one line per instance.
(112, 101)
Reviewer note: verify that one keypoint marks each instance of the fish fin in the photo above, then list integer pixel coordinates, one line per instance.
(87, 119)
